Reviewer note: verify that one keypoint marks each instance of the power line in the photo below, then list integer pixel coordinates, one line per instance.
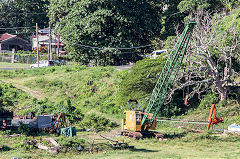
(22, 13)
(110, 48)
(87, 46)
(13, 28)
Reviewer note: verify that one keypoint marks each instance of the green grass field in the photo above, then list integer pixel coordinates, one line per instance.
(180, 143)
(13, 65)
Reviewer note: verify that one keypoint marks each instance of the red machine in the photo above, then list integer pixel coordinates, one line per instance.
(57, 124)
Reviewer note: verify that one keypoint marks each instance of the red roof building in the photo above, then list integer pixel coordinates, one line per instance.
(6, 36)
(13, 43)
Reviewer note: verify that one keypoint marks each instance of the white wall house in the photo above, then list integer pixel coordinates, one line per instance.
(43, 37)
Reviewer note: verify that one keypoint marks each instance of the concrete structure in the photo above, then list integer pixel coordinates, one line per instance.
(44, 121)
(40, 122)
(31, 122)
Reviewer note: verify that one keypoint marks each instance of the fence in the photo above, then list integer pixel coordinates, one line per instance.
(6, 51)
(28, 59)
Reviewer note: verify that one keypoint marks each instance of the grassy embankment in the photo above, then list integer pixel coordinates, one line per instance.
(89, 89)
(95, 90)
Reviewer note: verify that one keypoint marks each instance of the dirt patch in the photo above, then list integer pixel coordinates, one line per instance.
(19, 85)
(33, 93)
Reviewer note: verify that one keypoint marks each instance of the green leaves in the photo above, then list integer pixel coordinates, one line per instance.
(22, 13)
(9, 96)
(99, 123)
(139, 83)
(191, 5)
(89, 25)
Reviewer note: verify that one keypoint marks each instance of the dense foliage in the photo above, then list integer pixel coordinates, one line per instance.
(139, 83)
(97, 123)
(9, 96)
(23, 13)
(105, 24)
(191, 5)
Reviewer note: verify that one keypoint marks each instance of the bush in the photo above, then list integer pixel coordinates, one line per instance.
(70, 141)
(208, 100)
(25, 129)
(99, 123)
(4, 148)
(21, 52)
(9, 96)
(140, 82)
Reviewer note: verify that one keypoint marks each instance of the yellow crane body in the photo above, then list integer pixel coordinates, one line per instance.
(132, 121)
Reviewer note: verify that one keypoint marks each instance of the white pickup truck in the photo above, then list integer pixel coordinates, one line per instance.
(43, 63)
(156, 53)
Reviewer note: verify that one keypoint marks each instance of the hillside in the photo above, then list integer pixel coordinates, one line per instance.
(96, 90)
(184, 57)
(87, 88)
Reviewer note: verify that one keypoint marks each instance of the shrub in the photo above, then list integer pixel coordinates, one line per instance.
(70, 141)
(9, 96)
(139, 83)
(79, 67)
(208, 100)
(5, 148)
(96, 122)
(25, 129)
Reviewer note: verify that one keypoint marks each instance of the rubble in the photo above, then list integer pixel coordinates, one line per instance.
(54, 149)
(116, 145)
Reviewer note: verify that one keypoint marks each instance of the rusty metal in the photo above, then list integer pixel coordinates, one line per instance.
(214, 120)
(116, 144)
(57, 124)
(141, 134)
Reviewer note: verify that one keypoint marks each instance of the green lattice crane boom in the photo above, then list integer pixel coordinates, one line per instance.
(167, 76)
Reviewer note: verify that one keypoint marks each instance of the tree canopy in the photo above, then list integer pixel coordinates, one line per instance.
(191, 5)
(22, 13)
(94, 30)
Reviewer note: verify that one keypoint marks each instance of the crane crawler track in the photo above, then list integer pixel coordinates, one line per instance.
(142, 134)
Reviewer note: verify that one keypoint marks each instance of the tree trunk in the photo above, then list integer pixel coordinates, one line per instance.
(222, 93)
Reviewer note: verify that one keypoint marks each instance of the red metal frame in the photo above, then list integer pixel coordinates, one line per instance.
(214, 120)
(56, 122)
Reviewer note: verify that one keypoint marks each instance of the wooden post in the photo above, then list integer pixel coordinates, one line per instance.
(28, 59)
(37, 44)
(58, 36)
(50, 41)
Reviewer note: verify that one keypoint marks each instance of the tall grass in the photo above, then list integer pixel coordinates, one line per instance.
(88, 88)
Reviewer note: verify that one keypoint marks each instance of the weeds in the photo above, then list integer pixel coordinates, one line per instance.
(99, 123)
(25, 129)
(70, 142)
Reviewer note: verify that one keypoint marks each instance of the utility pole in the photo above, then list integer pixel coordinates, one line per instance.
(37, 44)
(49, 44)
(50, 40)
(58, 36)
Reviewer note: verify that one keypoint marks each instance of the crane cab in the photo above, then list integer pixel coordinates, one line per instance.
(132, 121)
